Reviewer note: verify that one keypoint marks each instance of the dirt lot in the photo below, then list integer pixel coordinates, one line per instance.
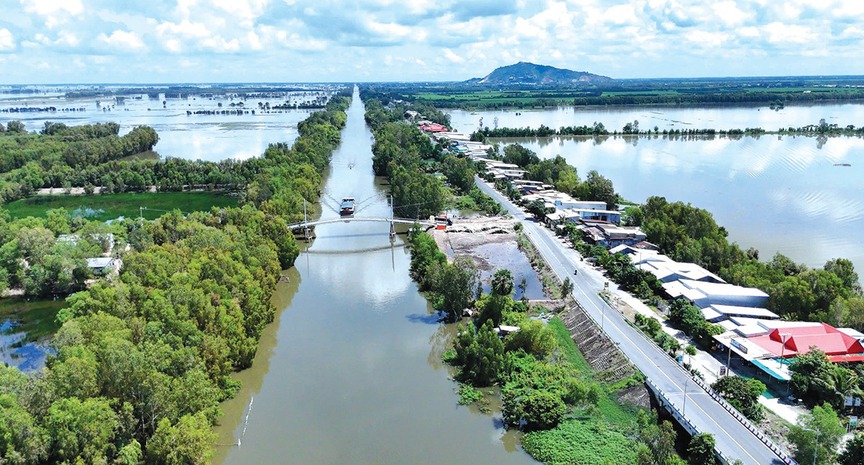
(465, 235)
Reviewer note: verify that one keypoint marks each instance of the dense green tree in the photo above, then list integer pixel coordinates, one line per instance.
(459, 172)
(16, 127)
(425, 257)
(81, 430)
(502, 282)
(519, 155)
(455, 284)
(816, 380)
(659, 442)
(816, 436)
(743, 394)
(22, 440)
(188, 442)
(534, 337)
(480, 353)
(848, 312)
(416, 194)
(845, 270)
(598, 187)
(542, 410)
(493, 307)
(701, 450)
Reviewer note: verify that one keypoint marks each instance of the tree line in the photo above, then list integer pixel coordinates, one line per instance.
(632, 128)
(406, 156)
(141, 363)
(59, 153)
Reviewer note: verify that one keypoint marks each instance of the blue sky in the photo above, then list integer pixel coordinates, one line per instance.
(148, 41)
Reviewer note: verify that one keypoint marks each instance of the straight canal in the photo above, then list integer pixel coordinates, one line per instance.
(350, 371)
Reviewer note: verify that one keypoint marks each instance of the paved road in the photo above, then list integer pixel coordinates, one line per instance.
(733, 439)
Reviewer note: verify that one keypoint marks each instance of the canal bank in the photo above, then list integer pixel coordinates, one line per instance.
(350, 371)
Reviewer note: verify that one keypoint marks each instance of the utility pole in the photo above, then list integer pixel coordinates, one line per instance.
(684, 408)
(392, 226)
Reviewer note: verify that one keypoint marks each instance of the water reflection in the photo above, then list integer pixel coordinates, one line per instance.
(663, 117)
(348, 379)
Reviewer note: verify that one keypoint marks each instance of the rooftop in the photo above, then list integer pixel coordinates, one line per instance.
(792, 340)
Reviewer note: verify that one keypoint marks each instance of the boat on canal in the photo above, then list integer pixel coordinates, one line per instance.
(346, 208)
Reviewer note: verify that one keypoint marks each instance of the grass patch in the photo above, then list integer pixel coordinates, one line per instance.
(109, 206)
(568, 347)
(608, 407)
(36, 318)
(580, 442)
(469, 394)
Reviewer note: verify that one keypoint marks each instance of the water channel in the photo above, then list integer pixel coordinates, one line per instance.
(350, 372)
(797, 195)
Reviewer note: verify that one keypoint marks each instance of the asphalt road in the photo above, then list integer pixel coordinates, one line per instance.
(733, 439)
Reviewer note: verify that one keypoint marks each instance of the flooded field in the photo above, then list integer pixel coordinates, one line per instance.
(188, 125)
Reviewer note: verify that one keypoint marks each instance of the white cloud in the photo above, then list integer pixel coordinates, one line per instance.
(452, 56)
(455, 39)
(729, 13)
(55, 12)
(7, 41)
(779, 33)
(122, 40)
(52, 7)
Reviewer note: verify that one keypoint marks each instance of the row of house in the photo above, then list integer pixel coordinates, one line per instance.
(752, 332)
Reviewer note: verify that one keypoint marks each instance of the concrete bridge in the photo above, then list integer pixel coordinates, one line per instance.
(348, 219)
(306, 226)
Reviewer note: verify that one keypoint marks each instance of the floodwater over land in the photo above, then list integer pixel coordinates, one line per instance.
(793, 195)
(204, 136)
(350, 372)
(663, 117)
(789, 194)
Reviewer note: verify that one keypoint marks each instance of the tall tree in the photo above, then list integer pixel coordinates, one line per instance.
(816, 436)
(742, 393)
(456, 285)
(701, 450)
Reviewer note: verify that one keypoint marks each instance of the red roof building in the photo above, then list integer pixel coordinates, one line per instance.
(796, 340)
(433, 127)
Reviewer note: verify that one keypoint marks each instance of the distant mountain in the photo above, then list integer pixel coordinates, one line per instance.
(531, 74)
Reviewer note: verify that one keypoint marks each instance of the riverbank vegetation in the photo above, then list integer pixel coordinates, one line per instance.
(598, 129)
(142, 362)
(406, 157)
(558, 173)
(548, 389)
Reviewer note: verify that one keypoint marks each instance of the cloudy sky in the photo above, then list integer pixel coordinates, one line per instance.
(155, 41)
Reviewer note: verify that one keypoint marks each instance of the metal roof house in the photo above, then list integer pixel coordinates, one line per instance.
(704, 294)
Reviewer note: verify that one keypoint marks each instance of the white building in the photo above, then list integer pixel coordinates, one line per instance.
(704, 294)
(716, 313)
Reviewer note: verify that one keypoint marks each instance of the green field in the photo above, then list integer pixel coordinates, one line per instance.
(109, 206)
(36, 318)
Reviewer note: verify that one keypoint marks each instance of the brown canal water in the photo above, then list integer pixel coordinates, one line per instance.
(350, 371)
